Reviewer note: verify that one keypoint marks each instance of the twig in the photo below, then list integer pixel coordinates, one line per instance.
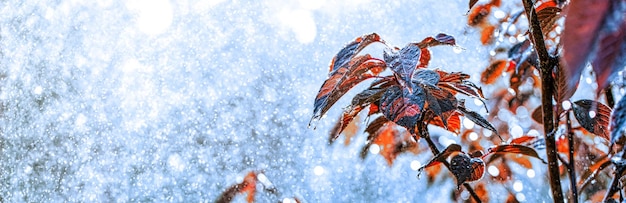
(426, 135)
(571, 168)
(615, 182)
(546, 65)
(610, 100)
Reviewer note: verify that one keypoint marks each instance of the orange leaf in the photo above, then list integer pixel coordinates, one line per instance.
(486, 36)
(493, 71)
(248, 185)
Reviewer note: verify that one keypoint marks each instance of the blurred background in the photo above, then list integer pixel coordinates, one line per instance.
(142, 101)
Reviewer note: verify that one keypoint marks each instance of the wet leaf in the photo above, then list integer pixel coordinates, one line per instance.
(441, 157)
(466, 169)
(515, 149)
(593, 116)
(351, 50)
(478, 119)
(248, 185)
(402, 106)
(618, 120)
(343, 79)
(494, 71)
(581, 30)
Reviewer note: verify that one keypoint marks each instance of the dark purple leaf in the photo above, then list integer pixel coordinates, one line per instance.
(593, 116)
(478, 119)
(352, 49)
(402, 106)
(466, 169)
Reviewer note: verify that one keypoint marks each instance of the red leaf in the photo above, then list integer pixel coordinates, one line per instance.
(593, 116)
(524, 140)
(343, 79)
(516, 149)
(346, 118)
(582, 25)
(248, 185)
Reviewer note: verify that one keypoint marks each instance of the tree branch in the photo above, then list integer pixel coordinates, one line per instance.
(546, 66)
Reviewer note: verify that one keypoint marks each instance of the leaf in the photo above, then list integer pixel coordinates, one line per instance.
(618, 120)
(342, 124)
(351, 49)
(486, 35)
(453, 122)
(402, 106)
(547, 17)
(426, 78)
(466, 169)
(516, 149)
(611, 54)
(593, 116)
(440, 39)
(563, 91)
(375, 125)
(590, 173)
(582, 25)
(441, 157)
(343, 79)
(472, 3)
(493, 71)
(478, 15)
(524, 140)
(248, 185)
(478, 119)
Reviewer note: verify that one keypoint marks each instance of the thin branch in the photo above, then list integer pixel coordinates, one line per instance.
(571, 168)
(426, 135)
(610, 100)
(619, 170)
(546, 66)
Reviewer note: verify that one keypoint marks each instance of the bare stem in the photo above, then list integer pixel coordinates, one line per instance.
(426, 135)
(571, 168)
(546, 65)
